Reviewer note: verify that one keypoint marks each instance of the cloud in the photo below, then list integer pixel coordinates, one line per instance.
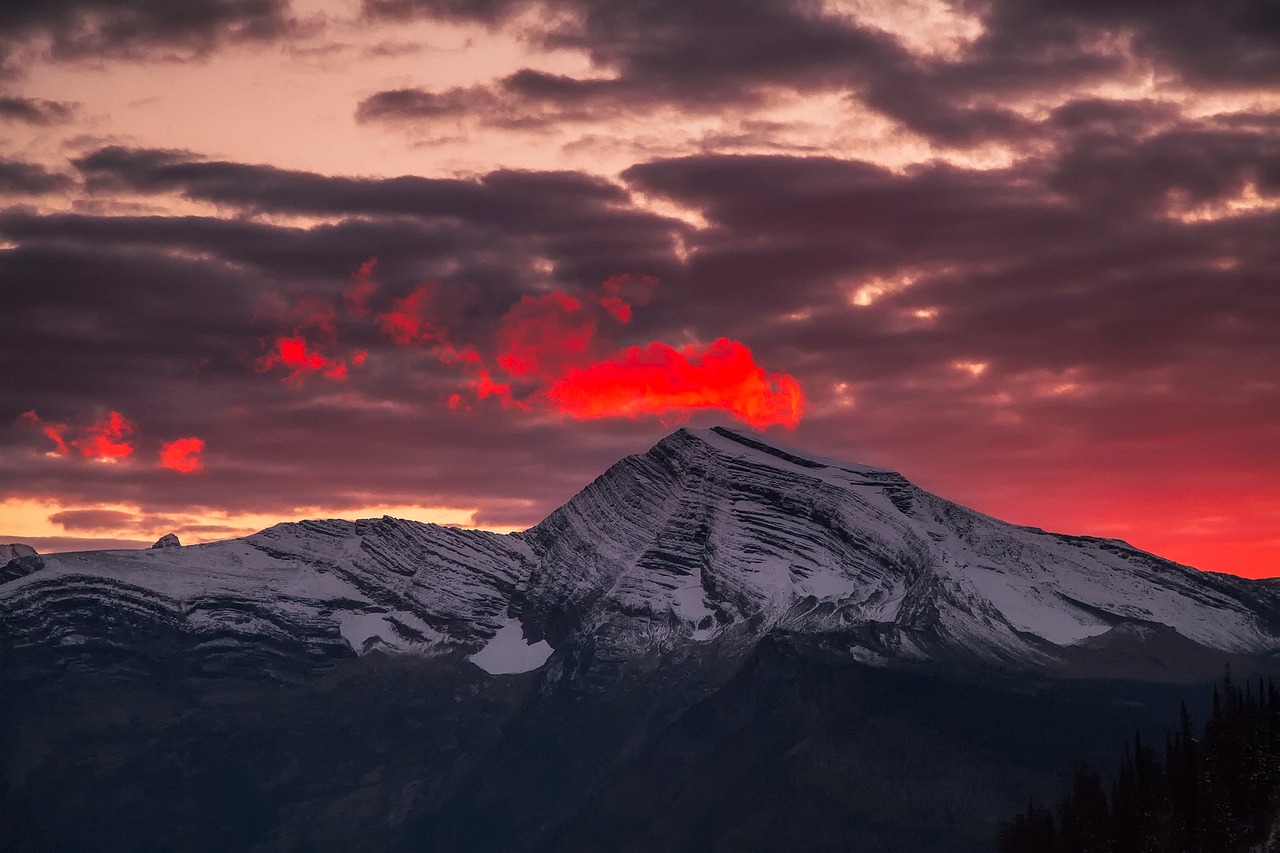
(1015, 59)
(35, 111)
(183, 455)
(93, 520)
(163, 317)
(586, 228)
(659, 379)
(107, 439)
(548, 352)
(132, 29)
(21, 178)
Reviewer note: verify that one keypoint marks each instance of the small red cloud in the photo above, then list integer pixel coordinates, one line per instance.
(54, 432)
(541, 336)
(620, 292)
(106, 439)
(660, 380)
(183, 455)
(295, 354)
(356, 296)
(311, 344)
(411, 319)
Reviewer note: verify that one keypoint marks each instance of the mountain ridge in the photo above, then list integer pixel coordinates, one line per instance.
(712, 537)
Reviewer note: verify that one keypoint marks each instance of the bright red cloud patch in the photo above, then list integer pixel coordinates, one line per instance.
(300, 361)
(658, 379)
(311, 346)
(106, 439)
(54, 432)
(110, 439)
(548, 351)
(183, 455)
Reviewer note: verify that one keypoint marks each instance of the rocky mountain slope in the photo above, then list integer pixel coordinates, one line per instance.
(703, 545)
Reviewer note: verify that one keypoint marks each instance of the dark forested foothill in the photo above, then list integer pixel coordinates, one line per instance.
(1215, 793)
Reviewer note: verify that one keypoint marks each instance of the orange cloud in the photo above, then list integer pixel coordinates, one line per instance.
(547, 352)
(183, 455)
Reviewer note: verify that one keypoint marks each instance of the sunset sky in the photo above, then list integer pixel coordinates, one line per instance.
(449, 259)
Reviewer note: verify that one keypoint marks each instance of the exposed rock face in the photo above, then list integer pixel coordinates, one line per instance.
(693, 551)
(169, 540)
(714, 536)
(18, 561)
(14, 551)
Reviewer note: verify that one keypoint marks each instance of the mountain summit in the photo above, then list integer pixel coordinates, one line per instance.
(712, 539)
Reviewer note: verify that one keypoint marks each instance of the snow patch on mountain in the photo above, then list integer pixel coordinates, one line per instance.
(508, 652)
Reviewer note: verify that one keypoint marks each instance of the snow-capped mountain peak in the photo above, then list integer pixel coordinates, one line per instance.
(695, 549)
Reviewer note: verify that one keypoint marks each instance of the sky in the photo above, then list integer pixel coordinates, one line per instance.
(263, 260)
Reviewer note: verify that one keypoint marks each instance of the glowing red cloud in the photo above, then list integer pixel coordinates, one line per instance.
(411, 318)
(549, 352)
(311, 344)
(183, 455)
(541, 336)
(660, 380)
(54, 432)
(301, 361)
(106, 439)
(620, 292)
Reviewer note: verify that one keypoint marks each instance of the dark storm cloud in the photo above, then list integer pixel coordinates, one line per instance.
(35, 111)
(701, 57)
(1026, 269)
(483, 11)
(20, 178)
(506, 198)
(75, 29)
(1200, 163)
(707, 57)
(162, 318)
(664, 53)
(1213, 42)
(1099, 330)
(169, 340)
(584, 225)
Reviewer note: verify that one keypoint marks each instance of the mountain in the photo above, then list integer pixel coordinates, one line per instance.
(563, 676)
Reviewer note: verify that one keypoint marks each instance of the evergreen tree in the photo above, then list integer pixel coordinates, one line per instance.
(1216, 793)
